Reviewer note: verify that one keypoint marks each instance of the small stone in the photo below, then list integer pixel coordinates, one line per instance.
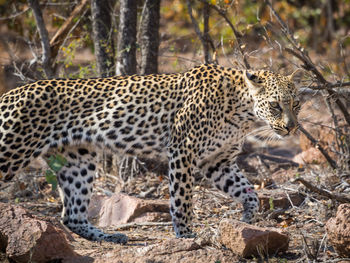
(310, 156)
(338, 230)
(247, 240)
(121, 209)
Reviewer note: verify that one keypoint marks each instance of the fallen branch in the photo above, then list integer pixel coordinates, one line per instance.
(326, 193)
(134, 224)
(315, 143)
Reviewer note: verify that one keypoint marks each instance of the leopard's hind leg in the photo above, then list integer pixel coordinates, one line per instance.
(76, 182)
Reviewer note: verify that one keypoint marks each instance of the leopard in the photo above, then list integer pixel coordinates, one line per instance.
(196, 121)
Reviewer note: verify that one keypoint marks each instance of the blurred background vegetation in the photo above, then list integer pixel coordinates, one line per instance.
(321, 27)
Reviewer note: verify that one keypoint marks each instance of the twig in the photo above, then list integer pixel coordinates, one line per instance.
(44, 37)
(338, 84)
(238, 35)
(335, 121)
(290, 200)
(134, 224)
(60, 35)
(326, 193)
(14, 15)
(307, 251)
(338, 260)
(331, 162)
(204, 38)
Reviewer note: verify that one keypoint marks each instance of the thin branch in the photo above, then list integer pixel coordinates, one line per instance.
(331, 86)
(203, 38)
(237, 35)
(331, 162)
(61, 34)
(14, 15)
(326, 193)
(44, 38)
(308, 64)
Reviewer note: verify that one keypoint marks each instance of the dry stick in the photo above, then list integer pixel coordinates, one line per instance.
(335, 121)
(326, 193)
(338, 84)
(44, 37)
(331, 162)
(135, 224)
(238, 35)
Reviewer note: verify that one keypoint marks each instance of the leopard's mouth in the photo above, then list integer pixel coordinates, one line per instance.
(286, 131)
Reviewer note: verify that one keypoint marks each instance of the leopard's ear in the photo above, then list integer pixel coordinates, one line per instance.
(254, 83)
(296, 75)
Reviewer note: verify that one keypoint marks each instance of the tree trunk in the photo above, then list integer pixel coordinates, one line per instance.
(126, 53)
(44, 38)
(206, 14)
(150, 37)
(103, 41)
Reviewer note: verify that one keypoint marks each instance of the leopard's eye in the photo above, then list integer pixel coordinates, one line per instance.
(275, 105)
(296, 103)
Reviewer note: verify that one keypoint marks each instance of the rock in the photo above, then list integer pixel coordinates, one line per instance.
(247, 240)
(24, 238)
(310, 156)
(279, 199)
(120, 209)
(338, 230)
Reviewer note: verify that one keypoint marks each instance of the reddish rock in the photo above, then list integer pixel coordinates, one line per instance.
(247, 240)
(279, 199)
(120, 209)
(338, 230)
(310, 156)
(25, 238)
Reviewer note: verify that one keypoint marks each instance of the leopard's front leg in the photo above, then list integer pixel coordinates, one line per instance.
(227, 177)
(180, 187)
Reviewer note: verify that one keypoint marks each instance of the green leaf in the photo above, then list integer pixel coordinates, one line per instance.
(51, 179)
(56, 162)
(272, 206)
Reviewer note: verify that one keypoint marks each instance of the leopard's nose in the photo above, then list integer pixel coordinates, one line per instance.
(291, 126)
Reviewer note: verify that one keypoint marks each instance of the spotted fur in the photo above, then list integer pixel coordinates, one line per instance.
(196, 120)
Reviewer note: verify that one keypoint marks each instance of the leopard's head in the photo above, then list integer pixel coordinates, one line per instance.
(275, 100)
